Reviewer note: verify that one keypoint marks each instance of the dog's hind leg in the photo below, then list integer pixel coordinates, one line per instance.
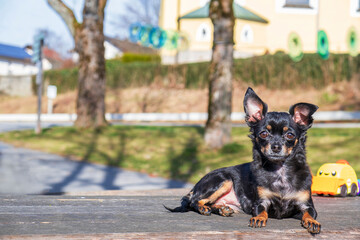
(208, 204)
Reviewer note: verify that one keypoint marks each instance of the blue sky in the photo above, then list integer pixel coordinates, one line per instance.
(20, 19)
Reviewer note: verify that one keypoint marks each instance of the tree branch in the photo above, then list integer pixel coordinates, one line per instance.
(66, 14)
(102, 5)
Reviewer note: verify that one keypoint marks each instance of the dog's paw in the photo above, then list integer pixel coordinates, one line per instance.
(204, 210)
(311, 225)
(259, 221)
(226, 211)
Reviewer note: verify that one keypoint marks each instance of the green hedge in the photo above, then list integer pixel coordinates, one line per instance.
(133, 57)
(278, 71)
(274, 71)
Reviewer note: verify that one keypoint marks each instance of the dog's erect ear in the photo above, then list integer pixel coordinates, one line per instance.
(255, 109)
(302, 113)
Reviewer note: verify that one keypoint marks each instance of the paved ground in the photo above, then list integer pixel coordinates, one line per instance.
(140, 215)
(24, 171)
(11, 126)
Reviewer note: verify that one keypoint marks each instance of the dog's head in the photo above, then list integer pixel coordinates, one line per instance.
(277, 135)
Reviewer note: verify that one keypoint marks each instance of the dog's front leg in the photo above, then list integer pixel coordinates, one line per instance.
(308, 212)
(308, 218)
(260, 208)
(260, 215)
(310, 223)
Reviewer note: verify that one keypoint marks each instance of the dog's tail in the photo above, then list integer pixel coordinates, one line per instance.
(185, 205)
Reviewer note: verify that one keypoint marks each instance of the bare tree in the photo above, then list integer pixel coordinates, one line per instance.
(142, 11)
(218, 125)
(55, 41)
(89, 44)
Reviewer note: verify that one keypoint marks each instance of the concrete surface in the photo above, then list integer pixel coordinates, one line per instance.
(24, 171)
(141, 215)
(12, 126)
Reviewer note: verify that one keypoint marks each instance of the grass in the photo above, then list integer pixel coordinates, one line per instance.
(175, 152)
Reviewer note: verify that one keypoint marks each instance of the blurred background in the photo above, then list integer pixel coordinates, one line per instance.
(275, 47)
(157, 56)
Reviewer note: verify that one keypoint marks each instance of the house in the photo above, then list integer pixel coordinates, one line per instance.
(16, 69)
(15, 61)
(115, 48)
(51, 59)
(263, 27)
(124, 46)
(111, 51)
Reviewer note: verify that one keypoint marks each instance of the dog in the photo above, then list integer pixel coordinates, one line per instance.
(276, 184)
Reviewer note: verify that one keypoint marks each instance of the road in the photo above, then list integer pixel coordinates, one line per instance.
(24, 171)
(11, 126)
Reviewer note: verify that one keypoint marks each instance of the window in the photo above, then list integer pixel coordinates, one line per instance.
(203, 33)
(247, 34)
(297, 3)
(355, 8)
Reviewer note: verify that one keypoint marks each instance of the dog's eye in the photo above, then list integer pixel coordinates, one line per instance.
(290, 136)
(333, 173)
(264, 134)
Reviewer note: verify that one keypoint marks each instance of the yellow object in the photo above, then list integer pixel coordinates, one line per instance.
(335, 179)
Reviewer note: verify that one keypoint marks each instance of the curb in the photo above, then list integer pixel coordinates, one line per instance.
(153, 117)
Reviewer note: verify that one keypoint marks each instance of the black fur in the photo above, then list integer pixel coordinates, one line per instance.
(278, 180)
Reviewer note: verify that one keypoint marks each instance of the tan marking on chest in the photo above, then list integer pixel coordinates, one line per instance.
(301, 196)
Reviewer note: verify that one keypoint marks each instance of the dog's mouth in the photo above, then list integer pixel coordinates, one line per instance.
(276, 157)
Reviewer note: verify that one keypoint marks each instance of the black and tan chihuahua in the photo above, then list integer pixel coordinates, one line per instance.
(277, 183)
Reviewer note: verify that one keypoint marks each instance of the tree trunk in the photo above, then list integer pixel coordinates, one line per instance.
(89, 44)
(218, 125)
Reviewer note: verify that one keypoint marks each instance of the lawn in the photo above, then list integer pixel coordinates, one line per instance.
(175, 152)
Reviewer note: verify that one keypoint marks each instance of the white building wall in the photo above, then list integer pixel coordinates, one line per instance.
(111, 51)
(9, 68)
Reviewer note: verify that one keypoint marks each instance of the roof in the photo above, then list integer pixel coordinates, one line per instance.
(239, 13)
(127, 46)
(9, 51)
(54, 58)
(51, 54)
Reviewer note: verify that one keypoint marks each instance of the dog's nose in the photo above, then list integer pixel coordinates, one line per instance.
(276, 148)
